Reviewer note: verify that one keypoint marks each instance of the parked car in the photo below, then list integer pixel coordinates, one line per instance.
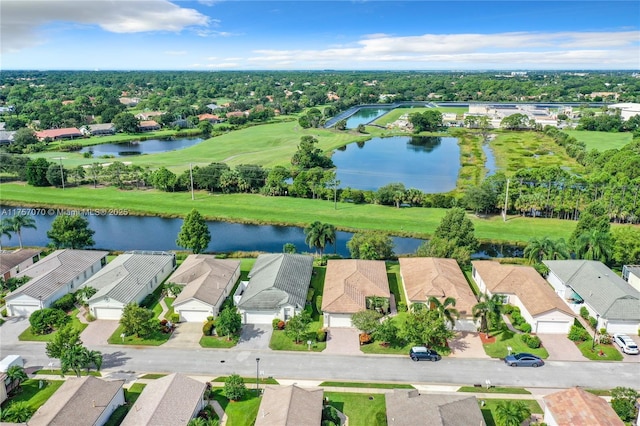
(523, 360)
(418, 353)
(627, 345)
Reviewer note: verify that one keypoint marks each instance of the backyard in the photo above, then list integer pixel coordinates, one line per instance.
(32, 393)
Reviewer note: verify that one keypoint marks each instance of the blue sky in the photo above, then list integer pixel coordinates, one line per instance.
(308, 35)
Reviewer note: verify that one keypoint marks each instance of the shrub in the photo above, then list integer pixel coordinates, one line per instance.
(604, 339)
(45, 320)
(275, 322)
(4, 314)
(234, 387)
(329, 414)
(507, 309)
(310, 294)
(89, 317)
(319, 303)
(65, 303)
(174, 318)
(623, 402)
(593, 322)
(321, 335)
(578, 334)
(525, 327)
(402, 307)
(584, 312)
(207, 328)
(365, 338)
(531, 341)
(148, 301)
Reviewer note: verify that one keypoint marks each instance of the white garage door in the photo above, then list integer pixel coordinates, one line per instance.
(259, 317)
(552, 327)
(339, 320)
(108, 313)
(628, 327)
(22, 310)
(194, 316)
(465, 325)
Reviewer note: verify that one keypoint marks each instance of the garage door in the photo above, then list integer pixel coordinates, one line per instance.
(194, 316)
(552, 327)
(627, 327)
(465, 325)
(108, 313)
(258, 317)
(339, 321)
(22, 310)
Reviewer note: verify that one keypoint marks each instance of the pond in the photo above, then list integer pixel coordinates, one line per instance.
(430, 164)
(365, 116)
(150, 146)
(490, 165)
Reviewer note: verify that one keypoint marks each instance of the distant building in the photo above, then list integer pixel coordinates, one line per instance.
(148, 126)
(58, 134)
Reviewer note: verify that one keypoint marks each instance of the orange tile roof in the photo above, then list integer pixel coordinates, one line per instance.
(349, 282)
(208, 117)
(57, 133)
(578, 407)
(148, 123)
(424, 277)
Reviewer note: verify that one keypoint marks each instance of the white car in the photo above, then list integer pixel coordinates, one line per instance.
(627, 345)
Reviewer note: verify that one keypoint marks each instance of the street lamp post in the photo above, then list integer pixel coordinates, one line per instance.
(258, 376)
(595, 332)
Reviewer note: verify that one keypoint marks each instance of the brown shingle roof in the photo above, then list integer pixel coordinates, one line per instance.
(16, 257)
(408, 407)
(205, 278)
(349, 282)
(290, 406)
(79, 401)
(525, 282)
(577, 407)
(424, 277)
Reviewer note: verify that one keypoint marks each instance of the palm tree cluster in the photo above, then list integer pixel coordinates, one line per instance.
(15, 225)
(319, 234)
(78, 357)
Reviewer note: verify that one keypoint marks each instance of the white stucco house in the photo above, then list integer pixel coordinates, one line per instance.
(207, 283)
(606, 296)
(631, 274)
(63, 271)
(524, 287)
(12, 262)
(128, 278)
(277, 288)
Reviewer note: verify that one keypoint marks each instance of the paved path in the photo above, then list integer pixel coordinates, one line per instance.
(165, 309)
(98, 332)
(343, 341)
(185, 335)
(254, 336)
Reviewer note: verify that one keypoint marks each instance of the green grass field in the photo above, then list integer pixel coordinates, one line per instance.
(490, 405)
(601, 141)
(362, 409)
(393, 115)
(32, 394)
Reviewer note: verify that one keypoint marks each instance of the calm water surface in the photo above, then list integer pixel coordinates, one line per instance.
(150, 146)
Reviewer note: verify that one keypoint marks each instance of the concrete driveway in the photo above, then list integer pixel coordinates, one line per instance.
(186, 335)
(630, 358)
(12, 328)
(255, 336)
(467, 344)
(343, 341)
(560, 348)
(98, 332)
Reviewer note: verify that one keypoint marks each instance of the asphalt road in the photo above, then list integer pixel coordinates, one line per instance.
(318, 366)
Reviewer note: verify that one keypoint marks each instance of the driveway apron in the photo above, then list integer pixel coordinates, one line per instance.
(343, 341)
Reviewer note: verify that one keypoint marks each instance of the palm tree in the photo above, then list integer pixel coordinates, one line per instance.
(545, 248)
(75, 359)
(319, 234)
(511, 413)
(20, 222)
(446, 309)
(95, 358)
(18, 412)
(16, 376)
(5, 230)
(487, 307)
(594, 245)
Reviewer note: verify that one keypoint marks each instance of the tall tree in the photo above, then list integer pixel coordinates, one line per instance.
(487, 309)
(19, 222)
(319, 234)
(138, 320)
(16, 376)
(194, 233)
(453, 238)
(366, 321)
(229, 322)
(371, 245)
(71, 231)
(544, 248)
(126, 122)
(594, 245)
(426, 327)
(66, 337)
(5, 230)
(36, 172)
(298, 326)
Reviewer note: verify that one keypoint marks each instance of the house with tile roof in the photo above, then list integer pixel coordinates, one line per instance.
(207, 283)
(63, 271)
(81, 401)
(277, 288)
(172, 400)
(606, 296)
(148, 125)
(410, 408)
(290, 406)
(58, 134)
(12, 262)
(211, 118)
(524, 287)
(128, 278)
(99, 129)
(348, 283)
(426, 277)
(576, 406)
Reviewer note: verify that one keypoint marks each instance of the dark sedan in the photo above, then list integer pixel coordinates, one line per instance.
(523, 360)
(418, 353)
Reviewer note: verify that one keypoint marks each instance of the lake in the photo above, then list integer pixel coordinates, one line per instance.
(150, 146)
(365, 116)
(428, 163)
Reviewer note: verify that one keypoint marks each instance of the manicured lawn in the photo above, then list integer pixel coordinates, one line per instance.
(249, 380)
(130, 396)
(248, 208)
(362, 409)
(218, 342)
(239, 413)
(367, 385)
(488, 411)
(153, 376)
(507, 338)
(32, 394)
(281, 342)
(57, 372)
(494, 389)
(156, 339)
(599, 392)
(27, 335)
(610, 352)
(601, 141)
(317, 284)
(169, 302)
(395, 286)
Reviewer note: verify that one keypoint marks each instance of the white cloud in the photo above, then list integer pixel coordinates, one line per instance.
(22, 20)
(175, 52)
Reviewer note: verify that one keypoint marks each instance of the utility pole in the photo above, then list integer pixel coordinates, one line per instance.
(506, 202)
(191, 177)
(61, 172)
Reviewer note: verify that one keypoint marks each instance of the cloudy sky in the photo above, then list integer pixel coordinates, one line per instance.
(310, 35)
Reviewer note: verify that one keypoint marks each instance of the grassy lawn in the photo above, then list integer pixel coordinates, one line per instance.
(248, 208)
(239, 413)
(249, 380)
(281, 342)
(488, 411)
(362, 409)
(367, 385)
(599, 392)
(218, 342)
(601, 141)
(57, 372)
(27, 335)
(32, 394)
(610, 353)
(494, 389)
(156, 339)
(169, 302)
(395, 282)
(153, 376)
(130, 396)
(507, 338)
